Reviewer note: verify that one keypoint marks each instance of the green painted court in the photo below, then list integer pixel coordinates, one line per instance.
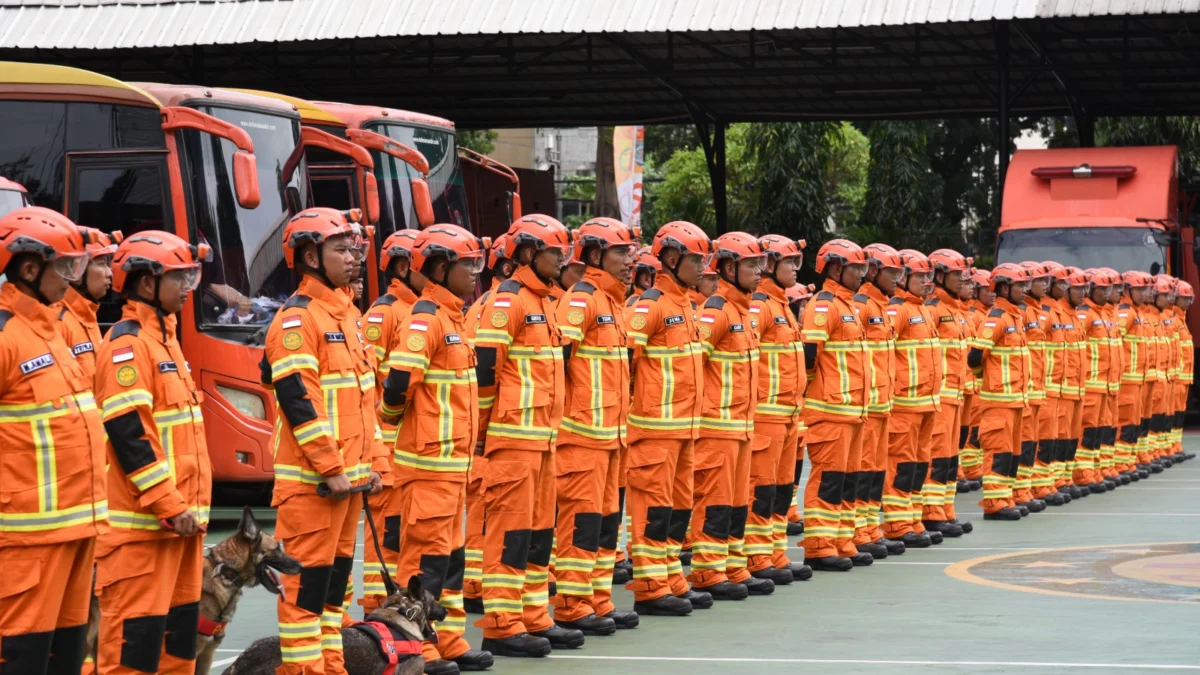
(1110, 583)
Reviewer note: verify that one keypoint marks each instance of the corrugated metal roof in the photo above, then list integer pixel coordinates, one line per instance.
(117, 24)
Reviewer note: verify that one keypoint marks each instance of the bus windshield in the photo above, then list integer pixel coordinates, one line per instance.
(11, 200)
(1121, 248)
(246, 280)
(445, 179)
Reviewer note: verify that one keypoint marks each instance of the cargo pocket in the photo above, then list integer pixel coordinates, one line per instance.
(645, 469)
(429, 518)
(302, 514)
(994, 433)
(20, 576)
(109, 571)
(761, 471)
(576, 473)
(507, 488)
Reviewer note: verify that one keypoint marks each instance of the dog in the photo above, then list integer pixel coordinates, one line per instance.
(408, 614)
(249, 557)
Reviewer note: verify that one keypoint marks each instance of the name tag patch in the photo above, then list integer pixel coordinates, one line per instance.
(37, 363)
(737, 328)
(605, 319)
(946, 319)
(453, 339)
(535, 318)
(335, 337)
(874, 320)
(1010, 329)
(83, 348)
(674, 320)
(167, 367)
(847, 318)
(916, 319)
(781, 320)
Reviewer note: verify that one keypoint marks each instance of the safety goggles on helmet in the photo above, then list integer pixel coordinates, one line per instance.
(188, 278)
(71, 268)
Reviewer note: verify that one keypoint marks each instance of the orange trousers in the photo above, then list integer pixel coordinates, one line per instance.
(588, 523)
(1178, 408)
(762, 465)
(1000, 440)
(374, 592)
(970, 455)
(906, 469)
(320, 533)
(1068, 431)
(473, 576)
(44, 602)
(518, 542)
(872, 470)
(1087, 458)
(782, 441)
(718, 515)
(833, 447)
(1023, 485)
(659, 493)
(1108, 437)
(1049, 415)
(149, 595)
(1154, 407)
(432, 547)
(1129, 425)
(941, 481)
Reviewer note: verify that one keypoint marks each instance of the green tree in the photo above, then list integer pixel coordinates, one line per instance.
(664, 140)
(482, 141)
(791, 194)
(1184, 132)
(903, 205)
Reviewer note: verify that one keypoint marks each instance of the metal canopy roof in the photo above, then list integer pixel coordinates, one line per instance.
(494, 63)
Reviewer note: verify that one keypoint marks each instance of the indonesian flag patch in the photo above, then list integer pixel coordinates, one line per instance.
(422, 326)
(708, 318)
(579, 303)
(291, 322)
(502, 302)
(375, 317)
(122, 355)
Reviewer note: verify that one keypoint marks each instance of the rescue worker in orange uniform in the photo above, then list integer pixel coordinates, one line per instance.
(1035, 421)
(971, 455)
(1048, 416)
(835, 407)
(1098, 357)
(520, 364)
(884, 270)
(779, 409)
(588, 451)
(645, 271)
(1167, 362)
(664, 422)
(999, 357)
(324, 383)
(431, 393)
(1108, 415)
(1135, 360)
(1185, 295)
(1067, 374)
(48, 536)
(968, 293)
(798, 297)
(916, 400)
(148, 566)
(80, 328)
(950, 321)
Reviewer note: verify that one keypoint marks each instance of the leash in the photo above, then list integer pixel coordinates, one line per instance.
(324, 491)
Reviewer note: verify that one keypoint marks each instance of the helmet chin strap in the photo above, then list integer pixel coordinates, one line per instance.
(319, 270)
(35, 287)
(156, 305)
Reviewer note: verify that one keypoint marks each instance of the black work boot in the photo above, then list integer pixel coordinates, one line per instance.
(441, 667)
(758, 586)
(1065, 493)
(621, 575)
(830, 563)
(966, 525)
(1123, 479)
(945, 527)
(976, 484)
(877, 551)
(935, 537)
(1005, 513)
(625, 619)
(779, 576)
(1023, 510)
(795, 529)
(685, 558)
(667, 605)
(1166, 462)
(1156, 466)
(591, 624)
(1078, 491)
(862, 559)
(726, 590)
(1132, 475)
(1111, 483)
(916, 540)
(1097, 488)
(563, 638)
(1034, 505)
(1054, 499)
(473, 605)
(474, 660)
(800, 571)
(519, 645)
(964, 485)
(699, 599)
(893, 546)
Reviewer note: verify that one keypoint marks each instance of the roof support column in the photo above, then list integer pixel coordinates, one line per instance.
(1086, 124)
(1002, 142)
(717, 175)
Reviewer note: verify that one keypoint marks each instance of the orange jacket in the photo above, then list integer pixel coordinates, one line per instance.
(324, 382)
(880, 335)
(730, 364)
(1053, 347)
(432, 379)
(838, 375)
(158, 456)
(1036, 326)
(592, 320)
(1000, 358)
(1134, 353)
(1115, 366)
(976, 313)
(919, 371)
(1187, 353)
(781, 371)
(949, 315)
(522, 381)
(1171, 324)
(382, 333)
(51, 484)
(81, 330)
(474, 313)
(1098, 355)
(1073, 353)
(668, 366)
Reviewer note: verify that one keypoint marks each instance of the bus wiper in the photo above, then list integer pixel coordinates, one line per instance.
(258, 338)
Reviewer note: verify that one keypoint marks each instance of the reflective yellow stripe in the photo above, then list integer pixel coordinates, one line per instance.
(520, 431)
(295, 362)
(150, 476)
(443, 464)
(131, 520)
(53, 520)
(119, 403)
(294, 473)
(311, 431)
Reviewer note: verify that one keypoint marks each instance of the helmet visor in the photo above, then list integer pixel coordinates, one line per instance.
(71, 268)
(188, 278)
(703, 261)
(475, 264)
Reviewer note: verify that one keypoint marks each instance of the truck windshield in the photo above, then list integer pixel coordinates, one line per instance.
(445, 179)
(247, 280)
(1121, 248)
(11, 200)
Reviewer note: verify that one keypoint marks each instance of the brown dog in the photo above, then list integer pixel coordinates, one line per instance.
(249, 557)
(407, 613)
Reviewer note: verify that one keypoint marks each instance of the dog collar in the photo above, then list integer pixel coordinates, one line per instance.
(209, 628)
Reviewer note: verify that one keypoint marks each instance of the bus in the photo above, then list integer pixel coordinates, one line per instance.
(12, 196)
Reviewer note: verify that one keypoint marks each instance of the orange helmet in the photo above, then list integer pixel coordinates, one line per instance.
(1137, 279)
(1006, 273)
(542, 233)
(683, 237)
(840, 250)
(1055, 270)
(1034, 270)
(501, 249)
(1077, 277)
(915, 261)
(646, 262)
(1164, 283)
(777, 247)
(883, 256)
(47, 234)
(399, 244)
(737, 246)
(1114, 276)
(1183, 289)
(100, 244)
(798, 292)
(605, 233)
(1098, 277)
(981, 277)
(157, 253)
(949, 260)
(450, 241)
(317, 225)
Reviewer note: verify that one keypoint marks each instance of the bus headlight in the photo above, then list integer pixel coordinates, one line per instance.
(250, 405)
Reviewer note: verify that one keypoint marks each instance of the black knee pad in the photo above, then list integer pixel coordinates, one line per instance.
(717, 521)
(944, 470)
(587, 531)
(764, 500)
(541, 546)
(339, 580)
(455, 571)
(69, 648)
(862, 487)
(850, 486)
(516, 548)
(314, 584)
(620, 500)
(964, 432)
(143, 637)
(952, 470)
(1028, 452)
(878, 480)
(658, 521)
(182, 623)
(1144, 427)
(973, 440)
(680, 519)
(737, 522)
(830, 489)
(906, 478)
(783, 499)
(1129, 434)
(1110, 436)
(610, 529)
(1003, 464)
(434, 570)
(799, 470)
(391, 533)
(1045, 451)
(28, 653)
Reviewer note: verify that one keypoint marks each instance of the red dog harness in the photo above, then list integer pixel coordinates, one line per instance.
(392, 646)
(209, 628)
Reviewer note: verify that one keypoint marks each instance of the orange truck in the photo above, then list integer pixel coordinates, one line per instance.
(12, 196)
(1122, 208)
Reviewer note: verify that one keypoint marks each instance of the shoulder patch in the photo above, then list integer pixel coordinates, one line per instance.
(694, 307)
(714, 302)
(632, 300)
(123, 328)
(932, 302)
(825, 295)
(384, 300)
(583, 287)
(652, 294)
(995, 312)
(425, 307)
(1123, 305)
(896, 301)
(861, 297)
(509, 286)
(297, 300)
(5, 315)
(758, 295)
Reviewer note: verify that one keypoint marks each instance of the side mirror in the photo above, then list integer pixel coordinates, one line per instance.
(245, 179)
(422, 203)
(372, 205)
(514, 206)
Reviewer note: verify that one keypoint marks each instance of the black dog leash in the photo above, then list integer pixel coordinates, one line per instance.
(324, 491)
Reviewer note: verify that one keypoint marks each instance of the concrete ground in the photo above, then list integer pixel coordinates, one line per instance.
(1110, 583)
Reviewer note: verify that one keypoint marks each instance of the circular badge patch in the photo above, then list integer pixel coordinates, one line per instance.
(416, 343)
(475, 330)
(987, 333)
(575, 317)
(292, 339)
(126, 375)
(754, 323)
(819, 319)
(373, 333)
(638, 322)
(499, 319)
(705, 330)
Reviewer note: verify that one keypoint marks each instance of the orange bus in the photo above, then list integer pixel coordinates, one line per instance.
(12, 196)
